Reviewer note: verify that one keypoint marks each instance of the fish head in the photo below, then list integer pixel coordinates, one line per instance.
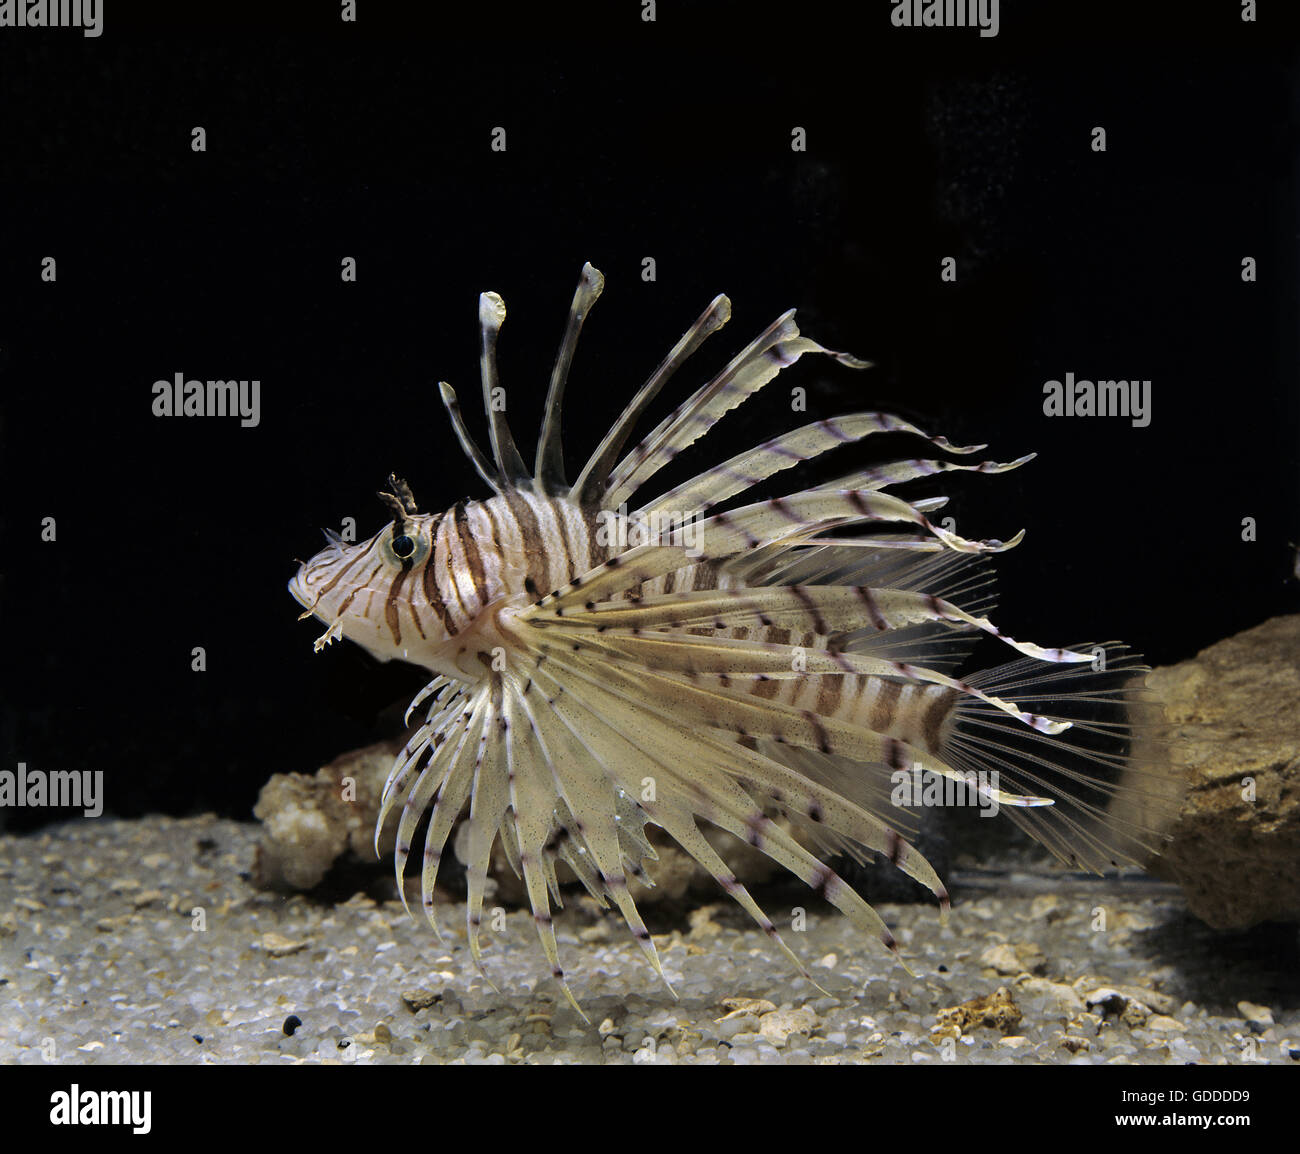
(379, 593)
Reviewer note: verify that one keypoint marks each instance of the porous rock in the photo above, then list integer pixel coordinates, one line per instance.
(309, 821)
(1232, 741)
(997, 1011)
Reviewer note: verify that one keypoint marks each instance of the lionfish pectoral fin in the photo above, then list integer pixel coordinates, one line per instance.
(531, 818)
(489, 797)
(639, 733)
(587, 762)
(442, 788)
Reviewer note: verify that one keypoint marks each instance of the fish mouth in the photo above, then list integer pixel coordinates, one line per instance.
(298, 590)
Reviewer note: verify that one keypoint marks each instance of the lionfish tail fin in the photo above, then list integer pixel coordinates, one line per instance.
(1109, 797)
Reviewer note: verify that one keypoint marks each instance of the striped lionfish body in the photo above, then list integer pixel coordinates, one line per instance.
(598, 671)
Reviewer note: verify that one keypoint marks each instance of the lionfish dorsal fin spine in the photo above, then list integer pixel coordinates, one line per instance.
(589, 489)
(776, 348)
(549, 465)
(491, 316)
(745, 470)
(667, 437)
(476, 456)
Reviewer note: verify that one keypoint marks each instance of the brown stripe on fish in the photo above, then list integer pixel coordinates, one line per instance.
(531, 533)
(580, 529)
(819, 730)
(483, 528)
(508, 538)
(333, 581)
(830, 692)
(472, 556)
(880, 699)
(465, 600)
(390, 604)
(429, 576)
(873, 610)
(936, 707)
(364, 586)
(814, 614)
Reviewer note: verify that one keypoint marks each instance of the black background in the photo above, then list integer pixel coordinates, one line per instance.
(625, 141)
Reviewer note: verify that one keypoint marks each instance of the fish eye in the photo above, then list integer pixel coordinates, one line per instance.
(404, 545)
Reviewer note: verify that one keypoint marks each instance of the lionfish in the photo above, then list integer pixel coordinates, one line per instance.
(598, 671)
